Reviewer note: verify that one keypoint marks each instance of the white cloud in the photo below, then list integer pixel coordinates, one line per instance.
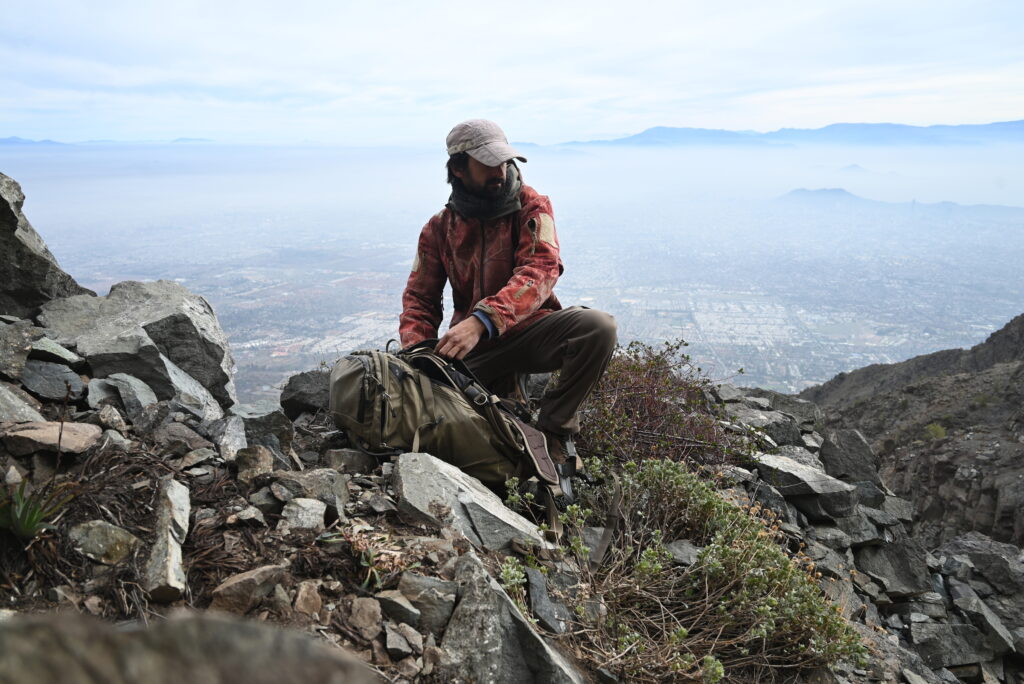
(384, 71)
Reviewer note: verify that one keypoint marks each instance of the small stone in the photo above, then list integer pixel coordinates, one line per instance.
(242, 592)
(265, 501)
(110, 418)
(684, 552)
(397, 607)
(12, 476)
(366, 617)
(64, 594)
(102, 542)
(303, 514)
(112, 440)
(228, 435)
(197, 457)
(350, 461)
(279, 599)
(252, 462)
(414, 638)
(249, 514)
(281, 492)
(307, 598)
(172, 433)
(94, 604)
(380, 503)
(408, 667)
(395, 643)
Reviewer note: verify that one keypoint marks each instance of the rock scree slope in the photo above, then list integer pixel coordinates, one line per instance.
(390, 569)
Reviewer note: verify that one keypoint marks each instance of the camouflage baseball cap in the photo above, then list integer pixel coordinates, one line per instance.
(483, 140)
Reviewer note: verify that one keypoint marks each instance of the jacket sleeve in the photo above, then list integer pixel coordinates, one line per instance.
(537, 268)
(422, 301)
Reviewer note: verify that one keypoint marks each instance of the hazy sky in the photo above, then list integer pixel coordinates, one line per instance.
(380, 71)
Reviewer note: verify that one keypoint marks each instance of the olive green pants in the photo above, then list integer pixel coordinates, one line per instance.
(577, 342)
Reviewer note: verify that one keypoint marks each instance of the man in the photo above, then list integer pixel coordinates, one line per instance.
(495, 242)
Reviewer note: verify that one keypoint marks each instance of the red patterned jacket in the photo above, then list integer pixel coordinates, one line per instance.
(506, 268)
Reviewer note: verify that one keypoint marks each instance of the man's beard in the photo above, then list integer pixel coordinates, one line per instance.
(489, 191)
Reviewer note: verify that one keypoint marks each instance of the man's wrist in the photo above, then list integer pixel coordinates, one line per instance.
(488, 326)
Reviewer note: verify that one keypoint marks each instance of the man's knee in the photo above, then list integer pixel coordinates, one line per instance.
(601, 326)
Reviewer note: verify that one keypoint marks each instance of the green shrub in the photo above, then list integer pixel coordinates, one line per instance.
(934, 431)
(745, 609)
(26, 514)
(651, 404)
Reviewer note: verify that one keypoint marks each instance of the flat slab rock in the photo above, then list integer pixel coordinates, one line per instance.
(27, 438)
(430, 491)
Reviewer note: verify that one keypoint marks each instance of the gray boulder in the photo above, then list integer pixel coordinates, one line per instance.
(489, 640)
(53, 381)
(434, 598)
(208, 648)
(431, 491)
(135, 394)
(137, 323)
(899, 566)
(941, 645)
(783, 429)
(817, 495)
(267, 425)
(29, 273)
(848, 456)
(970, 604)
(807, 413)
(1000, 566)
(306, 392)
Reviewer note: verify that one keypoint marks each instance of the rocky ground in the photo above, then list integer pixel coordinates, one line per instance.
(949, 429)
(384, 570)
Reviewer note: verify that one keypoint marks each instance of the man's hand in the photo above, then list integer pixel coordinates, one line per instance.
(461, 339)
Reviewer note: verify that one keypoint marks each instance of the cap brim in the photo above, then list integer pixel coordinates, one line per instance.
(495, 153)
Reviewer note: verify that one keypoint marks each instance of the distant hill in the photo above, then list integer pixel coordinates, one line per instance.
(833, 134)
(664, 135)
(831, 198)
(23, 141)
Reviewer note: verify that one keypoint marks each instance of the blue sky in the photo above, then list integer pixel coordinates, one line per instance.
(388, 72)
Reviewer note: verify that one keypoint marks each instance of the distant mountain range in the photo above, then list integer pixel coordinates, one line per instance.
(22, 141)
(836, 198)
(834, 134)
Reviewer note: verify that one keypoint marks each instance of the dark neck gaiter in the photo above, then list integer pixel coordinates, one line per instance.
(474, 206)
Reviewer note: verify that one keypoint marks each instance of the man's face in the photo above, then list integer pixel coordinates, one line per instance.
(483, 180)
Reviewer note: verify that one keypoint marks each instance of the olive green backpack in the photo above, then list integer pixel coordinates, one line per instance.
(416, 400)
